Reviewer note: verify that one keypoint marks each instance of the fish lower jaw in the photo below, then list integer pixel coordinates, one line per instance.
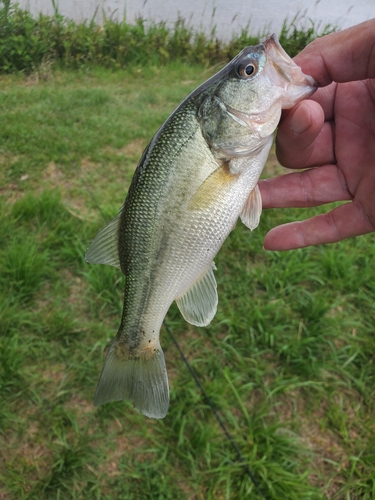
(297, 94)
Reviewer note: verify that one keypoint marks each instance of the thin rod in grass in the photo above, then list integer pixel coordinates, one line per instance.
(229, 437)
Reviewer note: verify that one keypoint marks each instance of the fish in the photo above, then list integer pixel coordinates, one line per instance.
(196, 177)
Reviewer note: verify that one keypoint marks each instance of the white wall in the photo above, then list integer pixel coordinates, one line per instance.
(227, 15)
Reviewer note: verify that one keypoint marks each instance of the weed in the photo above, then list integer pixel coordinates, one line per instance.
(34, 44)
(24, 267)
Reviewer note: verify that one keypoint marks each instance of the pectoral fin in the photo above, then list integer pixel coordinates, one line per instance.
(252, 209)
(198, 305)
(212, 188)
(104, 247)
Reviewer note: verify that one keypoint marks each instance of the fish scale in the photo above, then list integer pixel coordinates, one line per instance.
(139, 229)
(196, 177)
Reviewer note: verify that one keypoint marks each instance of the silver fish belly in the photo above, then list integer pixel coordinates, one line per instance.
(196, 177)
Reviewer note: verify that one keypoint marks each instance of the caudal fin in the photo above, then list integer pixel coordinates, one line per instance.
(142, 380)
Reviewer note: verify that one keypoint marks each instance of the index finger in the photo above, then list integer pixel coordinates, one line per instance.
(345, 221)
(344, 56)
(310, 188)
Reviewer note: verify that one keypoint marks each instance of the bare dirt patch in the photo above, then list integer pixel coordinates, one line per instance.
(77, 288)
(53, 174)
(81, 406)
(125, 444)
(29, 452)
(132, 150)
(330, 457)
(74, 195)
(11, 192)
(54, 374)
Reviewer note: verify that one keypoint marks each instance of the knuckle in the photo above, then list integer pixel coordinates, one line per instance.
(334, 230)
(366, 214)
(307, 188)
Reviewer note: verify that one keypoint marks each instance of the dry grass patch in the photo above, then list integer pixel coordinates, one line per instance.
(77, 288)
(123, 444)
(31, 451)
(12, 192)
(53, 175)
(132, 150)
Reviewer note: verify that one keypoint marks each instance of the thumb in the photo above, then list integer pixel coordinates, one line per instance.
(296, 134)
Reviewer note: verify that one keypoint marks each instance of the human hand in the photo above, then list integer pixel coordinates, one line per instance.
(333, 135)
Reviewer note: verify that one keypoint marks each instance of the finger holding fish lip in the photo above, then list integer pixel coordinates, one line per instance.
(310, 188)
(304, 139)
(334, 132)
(324, 57)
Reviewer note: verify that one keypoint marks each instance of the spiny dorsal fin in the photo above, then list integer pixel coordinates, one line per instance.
(252, 209)
(104, 247)
(198, 305)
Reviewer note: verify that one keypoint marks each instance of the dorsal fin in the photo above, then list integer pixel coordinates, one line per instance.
(104, 247)
(198, 305)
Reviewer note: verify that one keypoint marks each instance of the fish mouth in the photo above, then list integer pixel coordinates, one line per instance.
(286, 74)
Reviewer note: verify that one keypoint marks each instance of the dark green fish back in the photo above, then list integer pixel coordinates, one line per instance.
(137, 230)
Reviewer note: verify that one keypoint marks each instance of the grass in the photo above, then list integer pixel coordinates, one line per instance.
(288, 360)
(34, 44)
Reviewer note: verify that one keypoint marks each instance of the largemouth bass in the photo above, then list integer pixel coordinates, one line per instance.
(198, 174)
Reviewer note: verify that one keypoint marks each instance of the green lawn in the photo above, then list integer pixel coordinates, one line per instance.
(288, 360)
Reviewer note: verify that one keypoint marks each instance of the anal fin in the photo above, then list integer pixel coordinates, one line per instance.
(198, 305)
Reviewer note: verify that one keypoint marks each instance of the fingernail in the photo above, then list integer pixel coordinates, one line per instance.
(301, 120)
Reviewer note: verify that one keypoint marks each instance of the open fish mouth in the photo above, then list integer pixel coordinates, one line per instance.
(285, 73)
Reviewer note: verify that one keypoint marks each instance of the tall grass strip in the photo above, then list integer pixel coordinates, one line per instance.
(34, 44)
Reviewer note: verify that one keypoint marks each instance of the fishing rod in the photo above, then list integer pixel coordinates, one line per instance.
(220, 421)
(215, 412)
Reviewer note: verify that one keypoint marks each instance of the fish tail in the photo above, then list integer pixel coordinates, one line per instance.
(141, 379)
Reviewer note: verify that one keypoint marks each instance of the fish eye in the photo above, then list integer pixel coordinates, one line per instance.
(245, 71)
